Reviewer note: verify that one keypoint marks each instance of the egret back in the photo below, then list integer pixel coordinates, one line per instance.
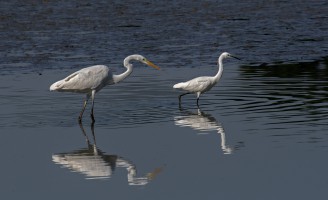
(199, 84)
(85, 80)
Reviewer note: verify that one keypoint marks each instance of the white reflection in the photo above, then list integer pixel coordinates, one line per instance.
(95, 164)
(203, 122)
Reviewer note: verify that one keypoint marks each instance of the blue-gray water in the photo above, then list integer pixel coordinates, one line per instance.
(261, 133)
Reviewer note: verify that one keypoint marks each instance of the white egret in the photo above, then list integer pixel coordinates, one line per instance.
(203, 84)
(91, 80)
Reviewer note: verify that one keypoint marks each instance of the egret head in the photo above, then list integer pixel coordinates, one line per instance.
(228, 55)
(139, 58)
(146, 61)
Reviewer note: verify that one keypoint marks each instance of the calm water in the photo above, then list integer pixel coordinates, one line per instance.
(262, 133)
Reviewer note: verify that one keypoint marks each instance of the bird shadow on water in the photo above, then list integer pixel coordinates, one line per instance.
(93, 163)
(203, 122)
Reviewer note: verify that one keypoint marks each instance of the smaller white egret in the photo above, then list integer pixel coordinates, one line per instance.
(203, 84)
(91, 80)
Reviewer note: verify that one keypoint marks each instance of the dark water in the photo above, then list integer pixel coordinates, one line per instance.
(260, 134)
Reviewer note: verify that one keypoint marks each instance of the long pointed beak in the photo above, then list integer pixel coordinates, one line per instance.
(152, 65)
(235, 57)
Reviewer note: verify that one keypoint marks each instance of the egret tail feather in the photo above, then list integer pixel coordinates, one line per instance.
(178, 85)
(56, 86)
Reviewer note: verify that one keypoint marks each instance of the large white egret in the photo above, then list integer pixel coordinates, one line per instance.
(202, 84)
(91, 80)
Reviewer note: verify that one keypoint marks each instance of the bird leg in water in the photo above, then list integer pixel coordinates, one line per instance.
(93, 101)
(84, 105)
(181, 96)
(86, 136)
(198, 95)
(93, 132)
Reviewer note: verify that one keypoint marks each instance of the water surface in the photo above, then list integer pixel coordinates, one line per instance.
(260, 134)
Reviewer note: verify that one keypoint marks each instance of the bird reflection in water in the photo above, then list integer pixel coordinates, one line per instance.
(201, 121)
(96, 164)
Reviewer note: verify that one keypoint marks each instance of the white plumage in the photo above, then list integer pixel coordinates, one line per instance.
(202, 84)
(92, 79)
(85, 80)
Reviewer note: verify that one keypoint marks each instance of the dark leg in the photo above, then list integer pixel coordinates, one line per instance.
(83, 131)
(93, 101)
(181, 96)
(198, 95)
(84, 105)
(93, 132)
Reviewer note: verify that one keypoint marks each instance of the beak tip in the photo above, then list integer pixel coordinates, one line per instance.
(153, 65)
(236, 57)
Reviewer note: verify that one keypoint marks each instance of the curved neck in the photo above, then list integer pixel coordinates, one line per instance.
(220, 71)
(119, 77)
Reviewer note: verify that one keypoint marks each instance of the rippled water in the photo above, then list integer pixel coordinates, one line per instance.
(261, 133)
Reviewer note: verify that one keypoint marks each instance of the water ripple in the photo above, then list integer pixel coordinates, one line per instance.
(282, 94)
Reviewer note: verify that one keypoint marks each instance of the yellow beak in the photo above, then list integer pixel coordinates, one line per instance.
(152, 65)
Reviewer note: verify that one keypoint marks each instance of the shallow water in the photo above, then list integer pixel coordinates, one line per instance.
(260, 134)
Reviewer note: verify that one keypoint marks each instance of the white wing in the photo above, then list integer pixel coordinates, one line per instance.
(85, 80)
(199, 84)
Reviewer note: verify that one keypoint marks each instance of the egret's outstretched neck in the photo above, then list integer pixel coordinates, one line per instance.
(119, 77)
(219, 74)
